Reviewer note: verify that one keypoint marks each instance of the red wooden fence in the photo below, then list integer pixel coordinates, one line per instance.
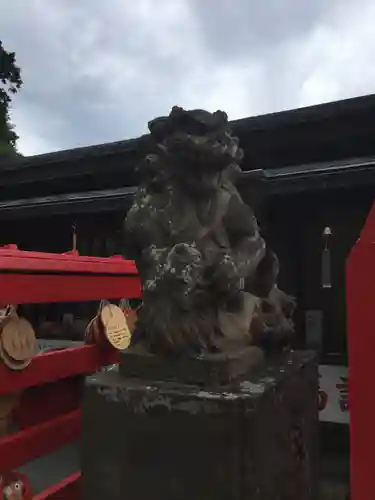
(29, 277)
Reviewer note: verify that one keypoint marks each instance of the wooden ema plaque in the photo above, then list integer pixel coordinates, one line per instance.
(17, 342)
(115, 326)
(111, 326)
(15, 486)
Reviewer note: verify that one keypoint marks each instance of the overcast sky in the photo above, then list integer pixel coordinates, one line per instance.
(97, 70)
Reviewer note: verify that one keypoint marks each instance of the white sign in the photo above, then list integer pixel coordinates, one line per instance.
(333, 394)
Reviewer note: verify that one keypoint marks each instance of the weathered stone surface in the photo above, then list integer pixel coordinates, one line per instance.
(254, 439)
(203, 263)
(207, 369)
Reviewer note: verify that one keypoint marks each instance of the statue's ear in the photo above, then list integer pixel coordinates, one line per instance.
(159, 128)
(220, 116)
(176, 110)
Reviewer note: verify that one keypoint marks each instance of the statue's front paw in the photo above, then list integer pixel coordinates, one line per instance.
(225, 276)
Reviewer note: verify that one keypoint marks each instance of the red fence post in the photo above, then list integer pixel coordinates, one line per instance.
(360, 294)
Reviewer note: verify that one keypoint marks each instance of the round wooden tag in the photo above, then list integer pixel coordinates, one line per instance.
(15, 486)
(115, 326)
(10, 362)
(18, 339)
(13, 491)
(6, 313)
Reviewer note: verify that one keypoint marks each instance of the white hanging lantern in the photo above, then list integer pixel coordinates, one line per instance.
(326, 277)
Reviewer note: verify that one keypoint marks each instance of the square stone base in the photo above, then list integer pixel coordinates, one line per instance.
(255, 439)
(209, 369)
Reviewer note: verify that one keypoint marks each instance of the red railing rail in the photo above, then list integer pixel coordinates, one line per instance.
(38, 440)
(29, 277)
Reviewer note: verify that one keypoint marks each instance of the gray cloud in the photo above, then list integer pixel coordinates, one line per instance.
(253, 29)
(97, 71)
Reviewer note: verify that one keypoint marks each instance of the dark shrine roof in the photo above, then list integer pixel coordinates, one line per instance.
(302, 179)
(321, 147)
(248, 129)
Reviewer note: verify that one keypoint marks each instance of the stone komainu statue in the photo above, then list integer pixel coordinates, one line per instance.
(204, 267)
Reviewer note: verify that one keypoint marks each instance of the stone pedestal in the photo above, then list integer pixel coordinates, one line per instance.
(255, 439)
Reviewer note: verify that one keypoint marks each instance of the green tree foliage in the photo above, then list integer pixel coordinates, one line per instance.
(10, 83)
